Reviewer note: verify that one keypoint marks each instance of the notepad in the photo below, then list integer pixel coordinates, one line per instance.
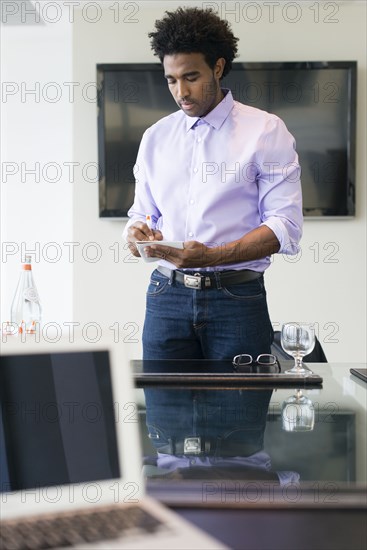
(141, 245)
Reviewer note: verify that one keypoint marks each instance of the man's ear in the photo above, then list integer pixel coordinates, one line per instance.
(219, 67)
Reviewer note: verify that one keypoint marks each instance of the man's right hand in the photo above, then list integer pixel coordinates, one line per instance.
(140, 231)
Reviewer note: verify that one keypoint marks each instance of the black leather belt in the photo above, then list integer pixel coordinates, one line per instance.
(207, 446)
(209, 279)
(189, 445)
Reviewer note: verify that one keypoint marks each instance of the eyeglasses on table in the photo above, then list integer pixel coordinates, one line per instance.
(263, 360)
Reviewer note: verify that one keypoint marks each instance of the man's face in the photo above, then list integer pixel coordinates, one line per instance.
(194, 85)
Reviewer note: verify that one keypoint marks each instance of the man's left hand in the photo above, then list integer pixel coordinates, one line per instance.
(194, 254)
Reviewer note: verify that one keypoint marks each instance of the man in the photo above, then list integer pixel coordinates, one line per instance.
(223, 178)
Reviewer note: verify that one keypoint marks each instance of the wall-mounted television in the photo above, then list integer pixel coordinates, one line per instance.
(316, 100)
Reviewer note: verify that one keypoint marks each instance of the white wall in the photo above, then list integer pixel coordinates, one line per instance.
(111, 290)
(36, 135)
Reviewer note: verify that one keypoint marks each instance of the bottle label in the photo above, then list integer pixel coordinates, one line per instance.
(31, 294)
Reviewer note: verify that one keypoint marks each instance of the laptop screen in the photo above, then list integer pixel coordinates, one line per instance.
(57, 420)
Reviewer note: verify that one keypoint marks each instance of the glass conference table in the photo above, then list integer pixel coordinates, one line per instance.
(230, 450)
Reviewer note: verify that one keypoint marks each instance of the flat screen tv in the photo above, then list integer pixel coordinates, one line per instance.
(316, 100)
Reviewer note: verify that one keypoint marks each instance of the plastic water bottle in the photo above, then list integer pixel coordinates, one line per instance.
(26, 308)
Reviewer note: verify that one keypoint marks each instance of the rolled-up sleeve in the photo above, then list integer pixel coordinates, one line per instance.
(280, 193)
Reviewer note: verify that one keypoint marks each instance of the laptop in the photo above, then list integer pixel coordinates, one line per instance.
(70, 461)
(359, 373)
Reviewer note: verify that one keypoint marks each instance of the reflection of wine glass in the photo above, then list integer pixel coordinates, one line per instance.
(298, 339)
(298, 413)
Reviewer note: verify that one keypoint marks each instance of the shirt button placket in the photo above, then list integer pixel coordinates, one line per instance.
(193, 183)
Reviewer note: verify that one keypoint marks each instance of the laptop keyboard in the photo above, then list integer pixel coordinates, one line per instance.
(68, 529)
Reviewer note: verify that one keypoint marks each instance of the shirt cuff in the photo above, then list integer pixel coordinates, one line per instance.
(287, 233)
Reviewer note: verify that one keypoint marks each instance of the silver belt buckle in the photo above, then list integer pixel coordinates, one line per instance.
(192, 445)
(193, 281)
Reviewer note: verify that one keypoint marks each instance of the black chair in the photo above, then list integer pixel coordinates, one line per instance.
(317, 355)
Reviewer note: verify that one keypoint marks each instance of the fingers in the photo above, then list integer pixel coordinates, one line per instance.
(139, 231)
(134, 251)
(162, 252)
(157, 235)
(193, 254)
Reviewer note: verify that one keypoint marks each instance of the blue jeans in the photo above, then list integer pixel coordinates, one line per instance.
(184, 323)
(234, 421)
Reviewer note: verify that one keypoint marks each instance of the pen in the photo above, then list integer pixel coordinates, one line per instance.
(148, 219)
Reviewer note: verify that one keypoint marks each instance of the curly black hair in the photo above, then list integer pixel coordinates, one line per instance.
(194, 30)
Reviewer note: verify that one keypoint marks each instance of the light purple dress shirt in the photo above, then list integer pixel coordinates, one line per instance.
(260, 460)
(214, 179)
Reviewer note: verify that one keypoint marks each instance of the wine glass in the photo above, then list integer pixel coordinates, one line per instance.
(298, 413)
(298, 339)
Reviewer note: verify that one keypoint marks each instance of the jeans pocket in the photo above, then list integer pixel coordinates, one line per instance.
(157, 437)
(246, 291)
(157, 284)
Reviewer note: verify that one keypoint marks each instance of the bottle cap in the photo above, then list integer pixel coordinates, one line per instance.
(28, 263)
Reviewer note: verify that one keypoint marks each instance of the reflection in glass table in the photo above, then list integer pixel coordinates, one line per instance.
(226, 437)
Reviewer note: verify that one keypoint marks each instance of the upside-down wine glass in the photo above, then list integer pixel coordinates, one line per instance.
(298, 413)
(298, 339)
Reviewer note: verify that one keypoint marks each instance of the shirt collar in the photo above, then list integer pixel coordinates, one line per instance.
(217, 116)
